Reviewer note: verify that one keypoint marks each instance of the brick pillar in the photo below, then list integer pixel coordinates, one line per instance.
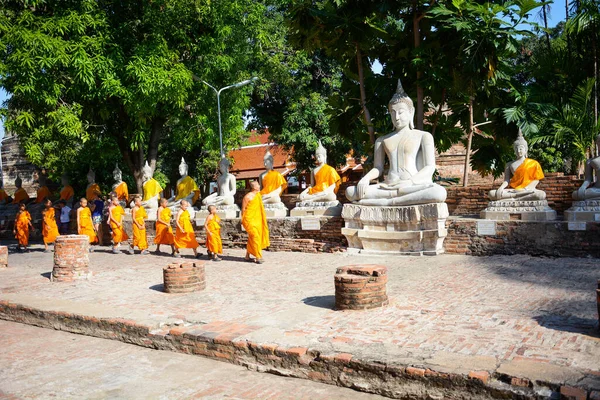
(360, 287)
(71, 258)
(3, 256)
(184, 277)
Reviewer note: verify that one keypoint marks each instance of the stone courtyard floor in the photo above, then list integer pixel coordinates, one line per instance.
(523, 322)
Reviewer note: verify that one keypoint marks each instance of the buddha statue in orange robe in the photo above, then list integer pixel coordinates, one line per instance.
(66, 193)
(119, 187)
(272, 183)
(93, 189)
(324, 180)
(20, 194)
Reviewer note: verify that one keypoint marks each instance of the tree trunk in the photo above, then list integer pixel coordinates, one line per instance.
(545, 15)
(595, 50)
(363, 95)
(469, 141)
(417, 43)
(438, 113)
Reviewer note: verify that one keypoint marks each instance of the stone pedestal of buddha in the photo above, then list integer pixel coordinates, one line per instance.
(224, 198)
(517, 197)
(272, 185)
(405, 213)
(586, 204)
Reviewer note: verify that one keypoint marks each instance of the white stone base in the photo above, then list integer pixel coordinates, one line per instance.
(223, 212)
(278, 210)
(407, 230)
(310, 209)
(584, 211)
(505, 210)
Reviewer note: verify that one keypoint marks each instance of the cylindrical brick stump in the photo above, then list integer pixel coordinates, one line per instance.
(3, 256)
(71, 258)
(184, 277)
(360, 287)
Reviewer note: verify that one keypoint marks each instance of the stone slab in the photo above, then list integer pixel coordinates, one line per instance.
(329, 209)
(505, 210)
(227, 212)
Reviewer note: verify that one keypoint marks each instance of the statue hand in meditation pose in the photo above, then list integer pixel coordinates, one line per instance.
(521, 176)
(151, 187)
(590, 188)
(324, 180)
(92, 190)
(187, 189)
(119, 187)
(66, 193)
(271, 182)
(226, 184)
(411, 156)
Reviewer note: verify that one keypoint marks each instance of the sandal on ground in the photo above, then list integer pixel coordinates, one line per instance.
(177, 255)
(258, 261)
(217, 259)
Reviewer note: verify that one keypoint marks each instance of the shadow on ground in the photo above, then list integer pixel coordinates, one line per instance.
(320, 301)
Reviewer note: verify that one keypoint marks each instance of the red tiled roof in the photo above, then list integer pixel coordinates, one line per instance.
(248, 161)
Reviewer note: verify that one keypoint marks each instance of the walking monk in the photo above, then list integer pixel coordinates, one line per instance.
(164, 232)
(254, 221)
(115, 219)
(85, 225)
(138, 217)
(49, 227)
(185, 238)
(22, 226)
(214, 245)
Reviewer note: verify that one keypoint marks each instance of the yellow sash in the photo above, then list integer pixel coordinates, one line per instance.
(151, 189)
(326, 177)
(271, 181)
(530, 170)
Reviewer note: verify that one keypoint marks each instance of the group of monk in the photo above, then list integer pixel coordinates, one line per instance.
(253, 220)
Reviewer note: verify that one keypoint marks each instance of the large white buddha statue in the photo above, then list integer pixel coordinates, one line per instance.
(187, 189)
(272, 183)
(411, 156)
(152, 191)
(120, 188)
(590, 188)
(226, 183)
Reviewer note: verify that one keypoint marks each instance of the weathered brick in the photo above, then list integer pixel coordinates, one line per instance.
(572, 393)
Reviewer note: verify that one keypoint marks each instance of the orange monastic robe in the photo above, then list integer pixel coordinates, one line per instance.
(22, 227)
(326, 177)
(118, 233)
(86, 225)
(66, 193)
(271, 181)
(121, 191)
(90, 192)
(42, 193)
(530, 170)
(213, 241)
(3, 195)
(50, 229)
(139, 235)
(164, 233)
(20, 195)
(255, 223)
(185, 240)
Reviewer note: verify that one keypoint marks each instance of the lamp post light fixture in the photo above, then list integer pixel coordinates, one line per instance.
(218, 92)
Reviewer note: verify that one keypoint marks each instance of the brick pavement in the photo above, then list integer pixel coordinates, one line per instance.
(516, 317)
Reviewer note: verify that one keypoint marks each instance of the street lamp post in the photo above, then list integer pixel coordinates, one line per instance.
(218, 92)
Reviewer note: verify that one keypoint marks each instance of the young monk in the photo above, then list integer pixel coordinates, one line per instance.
(85, 225)
(213, 234)
(138, 217)
(115, 219)
(164, 231)
(49, 227)
(22, 227)
(254, 221)
(184, 234)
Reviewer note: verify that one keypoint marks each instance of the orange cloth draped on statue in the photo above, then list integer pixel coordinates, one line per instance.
(254, 221)
(122, 192)
(3, 195)
(86, 225)
(213, 241)
(185, 240)
(42, 193)
(530, 170)
(139, 235)
(326, 177)
(271, 181)
(22, 228)
(185, 187)
(151, 188)
(50, 229)
(90, 192)
(66, 193)
(118, 232)
(164, 233)
(20, 195)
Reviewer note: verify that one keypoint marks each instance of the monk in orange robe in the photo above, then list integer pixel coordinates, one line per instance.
(138, 217)
(185, 238)
(254, 221)
(49, 227)
(22, 227)
(214, 245)
(20, 196)
(164, 231)
(115, 219)
(85, 225)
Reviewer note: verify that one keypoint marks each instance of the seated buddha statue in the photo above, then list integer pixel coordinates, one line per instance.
(120, 188)
(590, 188)
(152, 190)
(324, 180)
(272, 183)
(411, 156)
(521, 176)
(93, 189)
(186, 188)
(226, 183)
(66, 193)
(43, 192)
(4, 197)
(20, 194)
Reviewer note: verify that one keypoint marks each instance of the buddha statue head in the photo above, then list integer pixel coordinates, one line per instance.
(146, 172)
(520, 146)
(402, 109)
(268, 161)
(64, 179)
(224, 165)
(321, 154)
(91, 176)
(18, 182)
(183, 168)
(117, 174)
